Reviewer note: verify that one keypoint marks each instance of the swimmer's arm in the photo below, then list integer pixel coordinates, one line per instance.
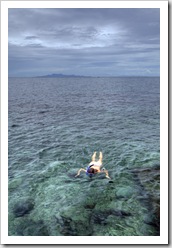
(106, 172)
(80, 172)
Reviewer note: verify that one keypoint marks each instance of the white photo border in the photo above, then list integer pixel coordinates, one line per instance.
(163, 238)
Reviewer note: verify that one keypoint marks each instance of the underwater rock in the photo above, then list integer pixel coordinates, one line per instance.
(23, 207)
(125, 192)
(150, 220)
(75, 222)
(28, 227)
(90, 205)
(121, 213)
(148, 179)
(99, 217)
(13, 184)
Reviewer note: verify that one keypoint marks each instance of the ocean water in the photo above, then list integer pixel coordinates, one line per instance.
(55, 125)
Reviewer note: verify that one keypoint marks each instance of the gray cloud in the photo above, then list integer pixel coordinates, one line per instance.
(97, 42)
(32, 37)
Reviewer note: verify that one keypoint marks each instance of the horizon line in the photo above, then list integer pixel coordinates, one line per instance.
(79, 76)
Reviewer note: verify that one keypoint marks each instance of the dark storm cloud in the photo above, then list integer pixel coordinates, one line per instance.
(84, 41)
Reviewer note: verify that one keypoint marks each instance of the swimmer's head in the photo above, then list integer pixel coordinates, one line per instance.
(91, 170)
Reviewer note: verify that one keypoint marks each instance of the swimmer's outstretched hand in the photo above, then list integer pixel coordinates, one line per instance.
(79, 172)
(108, 177)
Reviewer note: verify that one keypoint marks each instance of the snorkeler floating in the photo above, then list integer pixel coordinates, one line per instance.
(94, 167)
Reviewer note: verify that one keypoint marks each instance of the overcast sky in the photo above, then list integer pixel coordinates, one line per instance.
(94, 42)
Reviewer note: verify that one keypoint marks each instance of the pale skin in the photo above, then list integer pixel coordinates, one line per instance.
(96, 165)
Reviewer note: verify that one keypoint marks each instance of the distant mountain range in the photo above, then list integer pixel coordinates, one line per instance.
(60, 76)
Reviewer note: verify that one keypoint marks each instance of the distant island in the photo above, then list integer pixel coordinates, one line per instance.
(61, 76)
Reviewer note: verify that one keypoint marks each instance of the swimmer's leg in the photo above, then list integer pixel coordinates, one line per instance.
(94, 157)
(100, 158)
(106, 172)
(80, 172)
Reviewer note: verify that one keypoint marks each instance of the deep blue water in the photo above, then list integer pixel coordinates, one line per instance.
(54, 127)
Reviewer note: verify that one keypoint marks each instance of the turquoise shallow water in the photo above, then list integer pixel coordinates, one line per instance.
(54, 127)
